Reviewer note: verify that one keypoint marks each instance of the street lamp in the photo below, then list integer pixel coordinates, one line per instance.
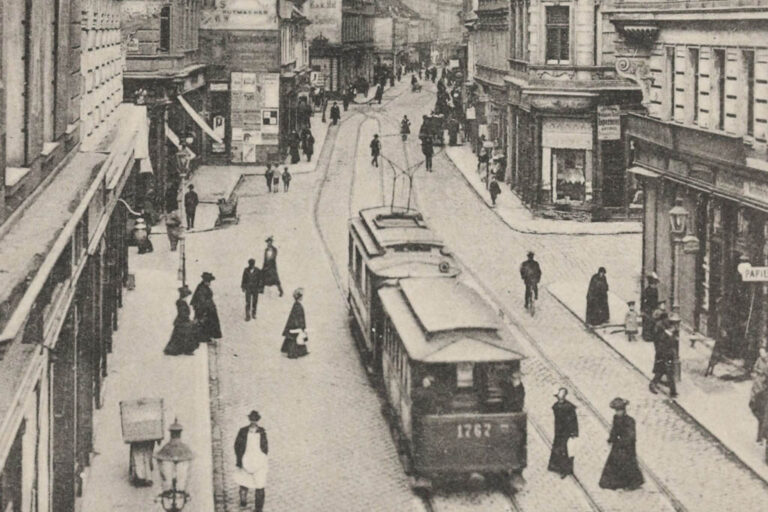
(678, 224)
(140, 231)
(674, 327)
(174, 461)
(183, 165)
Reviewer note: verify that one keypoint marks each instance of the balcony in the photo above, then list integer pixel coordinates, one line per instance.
(689, 140)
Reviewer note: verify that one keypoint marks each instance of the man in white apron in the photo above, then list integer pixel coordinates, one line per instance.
(251, 449)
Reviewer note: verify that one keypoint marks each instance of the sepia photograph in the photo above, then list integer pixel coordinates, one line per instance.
(383, 255)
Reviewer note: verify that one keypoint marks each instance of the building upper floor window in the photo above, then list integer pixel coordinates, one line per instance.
(165, 28)
(718, 88)
(558, 34)
(749, 77)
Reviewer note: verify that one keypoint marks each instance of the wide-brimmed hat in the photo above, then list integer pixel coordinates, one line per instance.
(254, 416)
(654, 276)
(184, 291)
(298, 293)
(270, 238)
(619, 403)
(561, 391)
(207, 276)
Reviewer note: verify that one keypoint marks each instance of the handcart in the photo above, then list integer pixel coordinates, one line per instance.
(142, 426)
(227, 211)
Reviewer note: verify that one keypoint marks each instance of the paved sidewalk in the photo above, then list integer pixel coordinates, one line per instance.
(708, 399)
(138, 368)
(514, 213)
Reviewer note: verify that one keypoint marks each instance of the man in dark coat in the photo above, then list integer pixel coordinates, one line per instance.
(190, 205)
(295, 326)
(241, 446)
(294, 141)
(426, 144)
(514, 393)
(307, 143)
(268, 175)
(597, 299)
(206, 315)
(335, 113)
(649, 304)
(379, 93)
(530, 273)
(269, 276)
(494, 190)
(566, 427)
(665, 342)
(172, 196)
(621, 470)
(251, 286)
(185, 337)
(375, 150)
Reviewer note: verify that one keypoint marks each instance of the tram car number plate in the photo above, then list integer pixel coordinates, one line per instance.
(474, 430)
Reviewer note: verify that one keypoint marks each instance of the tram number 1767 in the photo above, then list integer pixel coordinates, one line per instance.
(473, 430)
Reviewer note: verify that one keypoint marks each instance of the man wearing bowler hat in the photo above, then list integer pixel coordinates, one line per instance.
(251, 450)
(206, 315)
(251, 286)
(269, 276)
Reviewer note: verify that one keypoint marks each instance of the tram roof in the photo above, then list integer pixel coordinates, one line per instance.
(445, 321)
(398, 265)
(395, 226)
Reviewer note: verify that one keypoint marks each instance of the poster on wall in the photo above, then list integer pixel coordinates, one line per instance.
(254, 113)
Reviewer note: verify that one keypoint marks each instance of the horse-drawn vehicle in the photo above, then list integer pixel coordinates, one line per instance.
(434, 127)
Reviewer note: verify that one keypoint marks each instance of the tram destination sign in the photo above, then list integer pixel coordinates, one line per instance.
(750, 274)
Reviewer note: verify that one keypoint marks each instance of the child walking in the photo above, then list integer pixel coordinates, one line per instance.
(630, 322)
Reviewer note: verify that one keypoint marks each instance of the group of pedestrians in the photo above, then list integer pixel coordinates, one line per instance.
(273, 177)
(304, 141)
(621, 470)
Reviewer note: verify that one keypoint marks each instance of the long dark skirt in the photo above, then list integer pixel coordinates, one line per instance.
(208, 320)
(621, 470)
(559, 460)
(648, 327)
(292, 348)
(185, 338)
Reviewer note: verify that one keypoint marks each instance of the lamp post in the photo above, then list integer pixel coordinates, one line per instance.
(174, 461)
(678, 224)
(182, 159)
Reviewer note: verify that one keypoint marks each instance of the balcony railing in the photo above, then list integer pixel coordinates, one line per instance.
(690, 140)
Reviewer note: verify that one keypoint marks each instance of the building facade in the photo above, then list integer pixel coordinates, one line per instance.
(357, 21)
(163, 69)
(257, 67)
(562, 145)
(700, 143)
(72, 151)
(390, 32)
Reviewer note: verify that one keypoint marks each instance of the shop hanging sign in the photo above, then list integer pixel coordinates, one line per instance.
(240, 15)
(750, 274)
(608, 122)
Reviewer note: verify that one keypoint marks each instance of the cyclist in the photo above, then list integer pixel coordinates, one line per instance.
(530, 272)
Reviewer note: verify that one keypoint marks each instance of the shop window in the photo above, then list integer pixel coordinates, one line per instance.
(165, 28)
(558, 34)
(569, 173)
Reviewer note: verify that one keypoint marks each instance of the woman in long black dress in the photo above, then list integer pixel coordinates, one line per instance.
(621, 470)
(597, 299)
(269, 275)
(206, 315)
(185, 337)
(294, 333)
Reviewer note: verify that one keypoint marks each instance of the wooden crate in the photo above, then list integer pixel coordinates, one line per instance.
(142, 419)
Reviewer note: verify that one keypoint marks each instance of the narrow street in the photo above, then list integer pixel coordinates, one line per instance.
(330, 448)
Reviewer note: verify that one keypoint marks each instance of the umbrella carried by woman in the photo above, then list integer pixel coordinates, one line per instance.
(295, 331)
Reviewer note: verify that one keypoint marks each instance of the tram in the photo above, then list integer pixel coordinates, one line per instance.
(387, 244)
(443, 358)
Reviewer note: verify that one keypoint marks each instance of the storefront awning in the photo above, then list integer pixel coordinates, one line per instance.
(141, 151)
(171, 135)
(199, 120)
(642, 171)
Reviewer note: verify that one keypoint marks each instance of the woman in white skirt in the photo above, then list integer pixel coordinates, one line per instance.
(251, 449)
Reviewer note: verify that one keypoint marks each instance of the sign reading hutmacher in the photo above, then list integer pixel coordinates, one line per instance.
(240, 15)
(608, 122)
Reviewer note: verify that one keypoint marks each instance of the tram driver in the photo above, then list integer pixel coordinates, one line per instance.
(514, 393)
(427, 398)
